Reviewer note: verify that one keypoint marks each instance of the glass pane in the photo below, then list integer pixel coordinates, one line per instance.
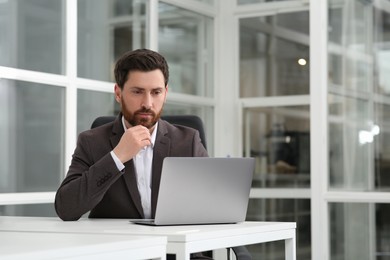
(359, 231)
(335, 72)
(350, 139)
(349, 73)
(28, 210)
(186, 41)
(350, 23)
(125, 8)
(279, 139)
(382, 51)
(31, 135)
(298, 21)
(92, 104)
(358, 106)
(382, 148)
(288, 210)
(107, 29)
(272, 63)
(26, 28)
(205, 113)
(350, 45)
(335, 20)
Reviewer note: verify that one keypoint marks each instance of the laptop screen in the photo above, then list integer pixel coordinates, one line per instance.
(204, 190)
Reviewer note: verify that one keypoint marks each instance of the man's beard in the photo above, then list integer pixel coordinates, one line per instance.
(134, 119)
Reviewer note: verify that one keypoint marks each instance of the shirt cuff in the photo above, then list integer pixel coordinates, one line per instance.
(118, 162)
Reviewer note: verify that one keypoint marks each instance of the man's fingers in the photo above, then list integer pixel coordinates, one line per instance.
(146, 142)
(139, 131)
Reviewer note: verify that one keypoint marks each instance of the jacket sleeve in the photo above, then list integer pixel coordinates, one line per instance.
(86, 182)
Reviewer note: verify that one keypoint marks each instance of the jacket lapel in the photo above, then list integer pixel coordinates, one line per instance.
(129, 175)
(131, 184)
(160, 151)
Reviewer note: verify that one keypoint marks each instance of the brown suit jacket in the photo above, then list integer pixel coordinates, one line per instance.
(94, 183)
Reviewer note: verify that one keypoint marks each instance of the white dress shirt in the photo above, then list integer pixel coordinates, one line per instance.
(143, 167)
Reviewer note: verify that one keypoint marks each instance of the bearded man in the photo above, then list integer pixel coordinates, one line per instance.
(116, 168)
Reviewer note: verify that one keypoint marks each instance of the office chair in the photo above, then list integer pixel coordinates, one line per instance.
(195, 122)
(102, 120)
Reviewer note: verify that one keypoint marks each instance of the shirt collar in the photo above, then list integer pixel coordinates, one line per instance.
(152, 136)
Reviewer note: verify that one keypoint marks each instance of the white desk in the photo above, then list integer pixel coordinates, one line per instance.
(182, 240)
(41, 245)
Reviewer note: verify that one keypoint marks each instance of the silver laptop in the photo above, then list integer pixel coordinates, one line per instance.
(203, 190)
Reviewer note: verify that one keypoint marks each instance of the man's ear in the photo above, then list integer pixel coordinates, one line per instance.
(118, 93)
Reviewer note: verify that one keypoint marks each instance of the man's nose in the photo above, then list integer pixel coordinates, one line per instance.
(147, 101)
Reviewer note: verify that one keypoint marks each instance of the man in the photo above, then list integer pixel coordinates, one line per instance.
(116, 168)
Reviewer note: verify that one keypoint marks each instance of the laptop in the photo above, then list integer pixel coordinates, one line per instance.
(202, 190)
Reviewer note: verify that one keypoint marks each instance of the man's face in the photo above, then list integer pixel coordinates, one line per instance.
(142, 97)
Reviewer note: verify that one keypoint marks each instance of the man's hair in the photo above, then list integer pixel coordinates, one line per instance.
(139, 60)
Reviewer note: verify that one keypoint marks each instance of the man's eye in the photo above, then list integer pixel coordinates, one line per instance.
(157, 92)
(136, 91)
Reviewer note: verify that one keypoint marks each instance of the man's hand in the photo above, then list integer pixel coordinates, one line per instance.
(132, 141)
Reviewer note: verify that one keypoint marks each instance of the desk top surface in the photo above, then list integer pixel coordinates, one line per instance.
(124, 226)
(16, 244)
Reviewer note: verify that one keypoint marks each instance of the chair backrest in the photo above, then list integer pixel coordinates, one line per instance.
(102, 120)
(185, 120)
(190, 121)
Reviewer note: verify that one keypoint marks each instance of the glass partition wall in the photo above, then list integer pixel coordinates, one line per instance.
(358, 105)
(313, 101)
(56, 76)
(274, 92)
(32, 110)
(281, 119)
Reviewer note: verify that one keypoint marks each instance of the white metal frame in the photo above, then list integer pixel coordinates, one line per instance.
(227, 121)
(319, 129)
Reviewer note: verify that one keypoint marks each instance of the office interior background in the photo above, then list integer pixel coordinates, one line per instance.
(302, 86)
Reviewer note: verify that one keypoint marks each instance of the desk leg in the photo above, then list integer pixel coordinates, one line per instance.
(181, 254)
(221, 254)
(181, 250)
(290, 248)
